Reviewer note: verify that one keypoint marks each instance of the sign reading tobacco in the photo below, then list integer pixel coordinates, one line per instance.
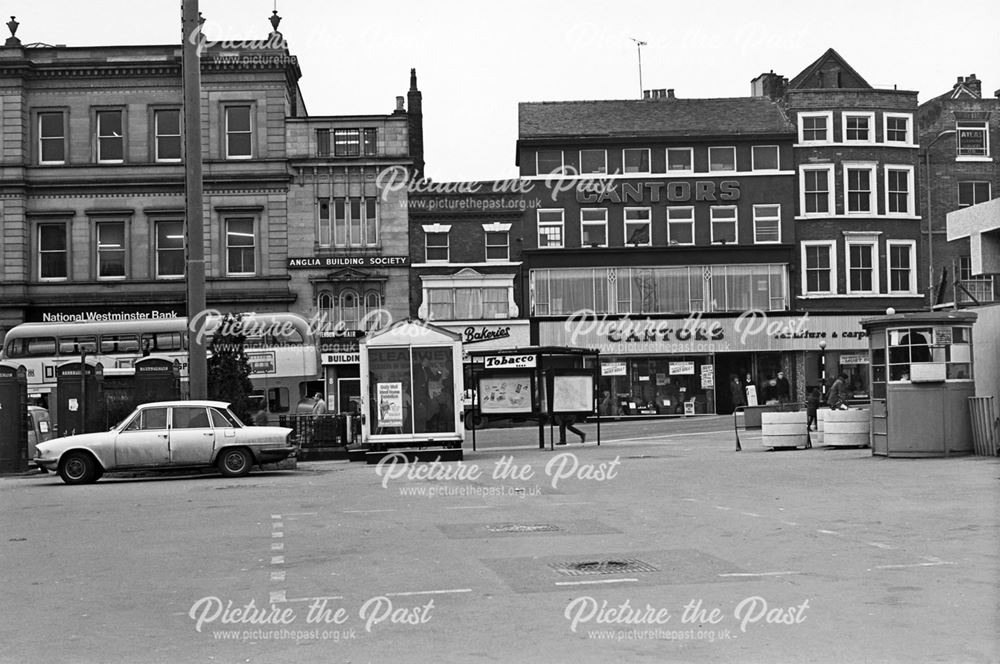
(323, 262)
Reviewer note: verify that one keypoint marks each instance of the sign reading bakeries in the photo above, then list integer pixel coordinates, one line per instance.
(326, 262)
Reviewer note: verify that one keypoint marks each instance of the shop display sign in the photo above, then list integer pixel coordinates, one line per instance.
(613, 369)
(390, 404)
(505, 394)
(682, 368)
(509, 362)
(854, 358)
(707, 376)
(942, 336)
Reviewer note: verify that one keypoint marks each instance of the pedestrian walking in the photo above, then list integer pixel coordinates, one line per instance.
(837, 399)
(566, 422)
(782, 390)
(812, 405)
(319, 405)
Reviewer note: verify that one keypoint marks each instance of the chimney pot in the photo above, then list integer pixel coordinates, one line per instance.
(647, 94)
(399, 103)
(670, 93)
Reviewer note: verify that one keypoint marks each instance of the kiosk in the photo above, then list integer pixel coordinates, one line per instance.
(546, 383)
(411, 386)
(921, 377)
(13, 418)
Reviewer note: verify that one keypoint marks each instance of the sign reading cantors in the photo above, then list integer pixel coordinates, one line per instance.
(509, 362)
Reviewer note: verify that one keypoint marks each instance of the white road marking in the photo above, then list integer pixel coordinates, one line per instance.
(690, 500)
(472, 507)
(751, 574)
(278, 576)
(591, 583)
(277, 546)
(790, 523)
(585, 503)
(429, 592)
(932, 564)
(366, 511)
(828, 532)
(722, 507)
(880, 545)
(277, 560)
(750, 514)
(275, 516)
(303, 514)
(278, 524)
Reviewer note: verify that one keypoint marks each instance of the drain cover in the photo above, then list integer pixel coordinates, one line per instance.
(521, 528)
(615, 566)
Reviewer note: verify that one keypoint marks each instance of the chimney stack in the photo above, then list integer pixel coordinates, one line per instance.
(670, 93)
(400, 107)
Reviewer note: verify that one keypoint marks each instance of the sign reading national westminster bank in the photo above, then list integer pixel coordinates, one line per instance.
(326, 262)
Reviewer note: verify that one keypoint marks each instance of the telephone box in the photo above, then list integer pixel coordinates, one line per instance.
(79, 404)
(13, 418)
(921, 365)
(411, 387)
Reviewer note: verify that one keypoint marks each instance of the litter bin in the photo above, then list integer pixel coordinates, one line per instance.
(985, 426)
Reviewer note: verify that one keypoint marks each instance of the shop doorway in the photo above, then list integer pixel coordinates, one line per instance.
(348, 395)
(728, 366)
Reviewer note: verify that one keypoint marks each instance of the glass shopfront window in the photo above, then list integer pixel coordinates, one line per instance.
(655, 385)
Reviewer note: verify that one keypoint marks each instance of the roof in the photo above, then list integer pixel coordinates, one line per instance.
(181, 402)
(829, 60)
(651, 117)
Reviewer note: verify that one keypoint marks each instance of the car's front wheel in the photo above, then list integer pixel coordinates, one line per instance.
(235, 462)
(79, 468)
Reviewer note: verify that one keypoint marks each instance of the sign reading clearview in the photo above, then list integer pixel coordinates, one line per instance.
(324, 262)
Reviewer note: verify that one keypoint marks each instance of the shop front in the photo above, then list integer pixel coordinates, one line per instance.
(340, 358)
(711, 364)
(487, 335)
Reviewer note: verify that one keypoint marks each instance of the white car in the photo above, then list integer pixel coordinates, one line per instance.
(167, 434)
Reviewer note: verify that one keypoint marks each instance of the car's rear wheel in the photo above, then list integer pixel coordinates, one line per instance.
(235, 462)
(79, 468)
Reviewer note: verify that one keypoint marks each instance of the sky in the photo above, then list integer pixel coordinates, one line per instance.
(475, 61)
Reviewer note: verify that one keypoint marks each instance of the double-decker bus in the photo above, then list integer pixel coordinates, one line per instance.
(281, 348)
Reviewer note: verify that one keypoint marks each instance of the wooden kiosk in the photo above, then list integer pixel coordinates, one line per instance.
(922, 378)
(536, 382)
(411, 387)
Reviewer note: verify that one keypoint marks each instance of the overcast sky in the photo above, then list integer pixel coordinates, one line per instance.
(476, 61)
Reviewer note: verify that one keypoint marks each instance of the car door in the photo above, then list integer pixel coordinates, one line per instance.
(144, 441)
(192, 438)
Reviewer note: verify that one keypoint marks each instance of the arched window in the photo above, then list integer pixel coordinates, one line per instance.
(349, 310)
(373, 311)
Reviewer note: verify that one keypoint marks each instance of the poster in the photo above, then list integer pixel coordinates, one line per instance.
(613, 369)
(385, 366)
(661, 379)
(707, 376)
(573, 394)
(505, 394)
(681, 368)
(390, 404)
(751, 395)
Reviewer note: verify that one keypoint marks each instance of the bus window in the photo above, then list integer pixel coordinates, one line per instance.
(162, 342)
(277, 400)
(31, 347)
(119, 343)
(75, 345)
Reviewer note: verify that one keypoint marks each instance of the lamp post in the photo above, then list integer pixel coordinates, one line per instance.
(822, 362)
(930, 221)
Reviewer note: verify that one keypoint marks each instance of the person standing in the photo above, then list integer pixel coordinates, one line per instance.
(319, 405)
(837, 399)
(812, 405)
(782, 390)
(736, 392)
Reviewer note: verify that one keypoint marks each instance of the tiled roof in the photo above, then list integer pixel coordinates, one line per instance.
(651, 117)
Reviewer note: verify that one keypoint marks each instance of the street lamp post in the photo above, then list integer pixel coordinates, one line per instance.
(930, 221)
(822, 362)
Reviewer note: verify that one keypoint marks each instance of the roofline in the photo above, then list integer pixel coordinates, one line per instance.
(790, 134)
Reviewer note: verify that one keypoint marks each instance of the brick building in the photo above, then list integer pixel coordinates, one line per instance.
(466, 241)
(348, 247)
(92, 187)
(960, 136)
(661, 207)
(857, 208)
